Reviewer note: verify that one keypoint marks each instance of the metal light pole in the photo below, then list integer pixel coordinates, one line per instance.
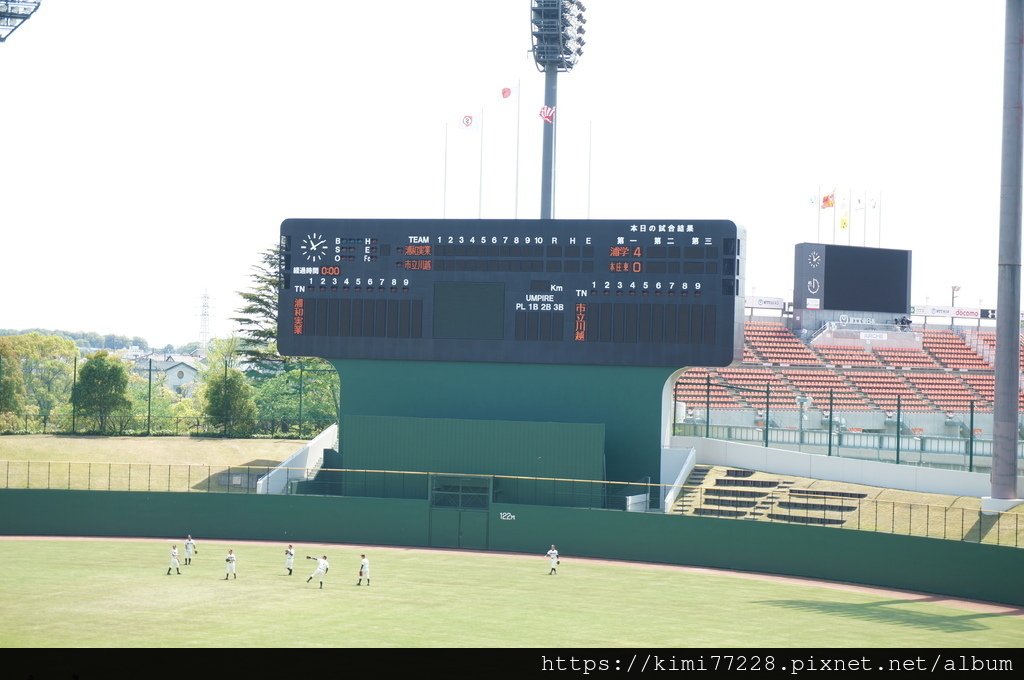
(1006, 432)
(557, 27)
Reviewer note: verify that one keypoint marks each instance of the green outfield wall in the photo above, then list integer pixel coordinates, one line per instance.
(626, 400)
(951, 568)
(488, 447)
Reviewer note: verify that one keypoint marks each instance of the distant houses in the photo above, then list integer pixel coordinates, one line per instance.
(181, 371)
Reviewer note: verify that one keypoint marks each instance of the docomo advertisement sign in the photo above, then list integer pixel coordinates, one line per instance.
(765, 303)
(949, 312)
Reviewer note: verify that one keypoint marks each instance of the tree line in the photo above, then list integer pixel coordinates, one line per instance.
(244, 387)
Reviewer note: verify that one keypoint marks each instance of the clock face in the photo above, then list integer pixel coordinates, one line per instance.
(814, 259)
(314, 247)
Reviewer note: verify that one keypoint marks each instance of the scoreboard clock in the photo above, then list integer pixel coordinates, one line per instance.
(598, 292)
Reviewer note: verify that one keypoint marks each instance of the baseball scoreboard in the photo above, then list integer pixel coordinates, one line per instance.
(598, 292)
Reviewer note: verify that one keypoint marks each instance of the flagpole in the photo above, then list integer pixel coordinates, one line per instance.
(865, 239)
(817, 201)
(519, 88)
(879, 218)
(590, 163)
(834, 211)
(849, 216)
(444, 193)
(480, 176)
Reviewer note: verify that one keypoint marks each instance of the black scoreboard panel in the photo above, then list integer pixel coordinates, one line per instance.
(851, 278)
(601, 292)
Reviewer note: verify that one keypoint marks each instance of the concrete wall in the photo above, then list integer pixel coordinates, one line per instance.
(834, 468)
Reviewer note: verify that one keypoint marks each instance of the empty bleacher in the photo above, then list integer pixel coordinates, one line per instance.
(948, 374)
(777, 345)
(952, 351)
(902, 357)
(883, 388)
(819, 385)
(846, 356)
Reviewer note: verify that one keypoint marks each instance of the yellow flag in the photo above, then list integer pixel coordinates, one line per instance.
(844, 222)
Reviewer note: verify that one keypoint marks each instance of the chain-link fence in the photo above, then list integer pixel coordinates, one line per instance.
(796, 506)
(765, 410)
(144, 425)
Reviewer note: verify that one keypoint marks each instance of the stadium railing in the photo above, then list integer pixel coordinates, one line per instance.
(901, 435)
(469, 491)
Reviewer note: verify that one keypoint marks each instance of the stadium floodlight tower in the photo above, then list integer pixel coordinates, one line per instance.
(557, 46)
(13, 13)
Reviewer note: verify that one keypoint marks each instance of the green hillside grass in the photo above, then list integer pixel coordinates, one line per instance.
(155, 450)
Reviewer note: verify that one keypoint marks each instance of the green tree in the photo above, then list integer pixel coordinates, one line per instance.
(156, 405)
(12, 384)
(278, 398)
(227, 400)
(102, 388)
(257, 318)
(47, 363)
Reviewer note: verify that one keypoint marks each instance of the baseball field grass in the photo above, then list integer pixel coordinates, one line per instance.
(116, 593)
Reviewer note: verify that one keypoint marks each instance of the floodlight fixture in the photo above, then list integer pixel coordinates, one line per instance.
(557, 29)
(13, 13)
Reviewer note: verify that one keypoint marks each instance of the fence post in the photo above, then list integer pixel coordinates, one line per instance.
(301, 388)
(831, 415)
(767, 410)
(707, 406)
(149, 402)
(899, 420)
(74, 385)
(970, 442)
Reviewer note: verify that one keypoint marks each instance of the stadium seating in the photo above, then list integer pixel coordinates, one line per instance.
(952, 351)
(901, 357)
(777, 345)
(846, 357)
(951, 371)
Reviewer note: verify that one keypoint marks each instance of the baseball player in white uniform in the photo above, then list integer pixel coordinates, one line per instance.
(289, 558)
(364, 570)
(229, 569)
(174, 560)
(321, 569)
(553, 556)
(190, 549)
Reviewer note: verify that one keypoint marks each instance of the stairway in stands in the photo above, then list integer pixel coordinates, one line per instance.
(715, 491)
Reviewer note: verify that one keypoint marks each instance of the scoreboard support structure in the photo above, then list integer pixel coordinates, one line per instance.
(626, 399)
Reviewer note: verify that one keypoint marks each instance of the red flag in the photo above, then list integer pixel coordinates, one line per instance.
(506, 92)
(828, 201)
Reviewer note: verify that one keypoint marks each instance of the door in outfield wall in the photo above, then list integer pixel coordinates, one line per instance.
(458, 511)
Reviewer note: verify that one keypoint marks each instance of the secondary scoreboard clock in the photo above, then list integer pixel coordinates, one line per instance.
(598, 292)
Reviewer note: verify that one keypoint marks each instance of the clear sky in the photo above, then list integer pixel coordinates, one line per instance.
(151, 150)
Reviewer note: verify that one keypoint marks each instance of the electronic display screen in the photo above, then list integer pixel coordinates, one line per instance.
(851, 278)
(602, 292)
(867, 279)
